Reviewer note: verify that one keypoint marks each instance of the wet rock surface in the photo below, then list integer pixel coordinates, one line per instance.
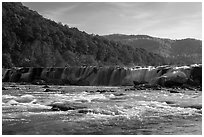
(165, 76)
(64, 106)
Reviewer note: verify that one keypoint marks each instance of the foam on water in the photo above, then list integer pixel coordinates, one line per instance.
(143, 109)
(8, 96)
(20, 99)
(132, 105)
(128, 109)
(77, 97)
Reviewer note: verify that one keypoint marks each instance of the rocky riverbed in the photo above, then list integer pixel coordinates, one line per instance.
(52, 109)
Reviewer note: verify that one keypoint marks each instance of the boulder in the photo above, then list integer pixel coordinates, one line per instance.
(171, 79)
(14, 76)
(196, 75)
(166, 76)
(6, 75)
(26, 77)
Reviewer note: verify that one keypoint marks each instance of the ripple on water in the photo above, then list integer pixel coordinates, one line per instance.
(107, 108)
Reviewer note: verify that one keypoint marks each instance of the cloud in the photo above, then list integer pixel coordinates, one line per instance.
(57, 14)
(155, 18)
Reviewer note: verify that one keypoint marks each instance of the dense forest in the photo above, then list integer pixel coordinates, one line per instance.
(28, 39)
(184, 51)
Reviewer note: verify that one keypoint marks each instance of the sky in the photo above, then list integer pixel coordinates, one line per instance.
(174, 20)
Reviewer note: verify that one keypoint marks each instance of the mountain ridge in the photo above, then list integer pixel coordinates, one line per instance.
(187, 50)
(149, 36)
(30, 40)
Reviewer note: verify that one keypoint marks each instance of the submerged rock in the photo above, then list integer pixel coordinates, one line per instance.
(99, 91)
(184, 105)
(46, 86)
(50, 90)
(13, 86)
(173, 91)
(3, 88)
(102, 112)
(196, 106)
(119, 94)
(64, 106)
(104, 91)
(85, 111)
(170, 102)
(90, 91)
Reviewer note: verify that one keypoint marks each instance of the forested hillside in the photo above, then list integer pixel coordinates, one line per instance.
(32, 40)
(184, 51)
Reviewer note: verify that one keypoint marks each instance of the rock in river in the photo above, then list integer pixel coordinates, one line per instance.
(171, 79)
(3, 88)
(64, 106)
(45, 86)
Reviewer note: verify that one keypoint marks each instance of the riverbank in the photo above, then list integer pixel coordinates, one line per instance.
(165, 76)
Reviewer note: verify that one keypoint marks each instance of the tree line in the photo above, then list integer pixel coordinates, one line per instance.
(30, 40)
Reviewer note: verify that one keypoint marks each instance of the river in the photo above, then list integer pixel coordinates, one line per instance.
(27, 110)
